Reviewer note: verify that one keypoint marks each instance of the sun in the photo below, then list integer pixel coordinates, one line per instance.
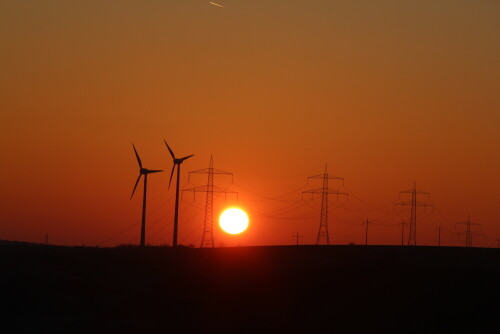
(233, 221)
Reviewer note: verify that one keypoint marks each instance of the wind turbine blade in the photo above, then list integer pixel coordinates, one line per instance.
(154, 171)
(171, 175)
(189, 156)
(137, 155)
(136, 183)
(170, 150)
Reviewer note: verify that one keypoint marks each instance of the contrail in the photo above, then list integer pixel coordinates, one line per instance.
(216, 4)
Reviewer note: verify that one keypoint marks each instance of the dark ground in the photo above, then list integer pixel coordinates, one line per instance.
(342, 289)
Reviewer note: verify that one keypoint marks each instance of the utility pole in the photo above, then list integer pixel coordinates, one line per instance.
(498, 243)
(412, 237)
(207, 238)
(439, 228)
(46, 241)
(402, 224)
(366, 230)
(468, 233)
(323, 235)
(297, 237)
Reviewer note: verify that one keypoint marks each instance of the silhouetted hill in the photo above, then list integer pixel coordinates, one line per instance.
(18, 243)
(373, 289)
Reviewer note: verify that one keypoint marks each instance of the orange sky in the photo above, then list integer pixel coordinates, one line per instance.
(386, 92)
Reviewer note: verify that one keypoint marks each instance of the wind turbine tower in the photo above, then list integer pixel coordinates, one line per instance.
(177, 162)
(207, 238)
(145, 172)
(323, 235)
(412, 238)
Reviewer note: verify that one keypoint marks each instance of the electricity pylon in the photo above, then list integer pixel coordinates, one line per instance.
(324, 191)
(468, 231)
(207, 239)
(412, 237)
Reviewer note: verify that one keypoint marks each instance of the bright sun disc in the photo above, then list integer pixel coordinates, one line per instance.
(233, 221)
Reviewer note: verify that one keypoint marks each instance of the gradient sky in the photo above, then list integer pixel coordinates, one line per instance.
(386, 92)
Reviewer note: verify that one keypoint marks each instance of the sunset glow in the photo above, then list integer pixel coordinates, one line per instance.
(227, 166)
(386, 93)
(233, 221)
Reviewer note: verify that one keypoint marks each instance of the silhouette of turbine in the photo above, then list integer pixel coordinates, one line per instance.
(145, 172)
(177, 162)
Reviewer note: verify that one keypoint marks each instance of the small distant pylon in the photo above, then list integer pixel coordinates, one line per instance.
(207, 239)
(412, 237)
(297, 237)
(468, 233)
(439, 228)
(323, 235)
(46, 240)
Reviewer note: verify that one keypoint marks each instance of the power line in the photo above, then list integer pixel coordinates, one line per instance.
(268, 198)
(287, 209)
(373, 208)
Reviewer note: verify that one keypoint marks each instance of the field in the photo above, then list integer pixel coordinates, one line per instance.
(356, 289)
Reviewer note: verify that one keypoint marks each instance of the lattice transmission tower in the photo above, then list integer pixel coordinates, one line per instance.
(323, 235)
(207, 239)
(412, 236)
(468, 233)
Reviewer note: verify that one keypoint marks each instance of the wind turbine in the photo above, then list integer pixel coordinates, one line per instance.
(145, 172)
(177, 162)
